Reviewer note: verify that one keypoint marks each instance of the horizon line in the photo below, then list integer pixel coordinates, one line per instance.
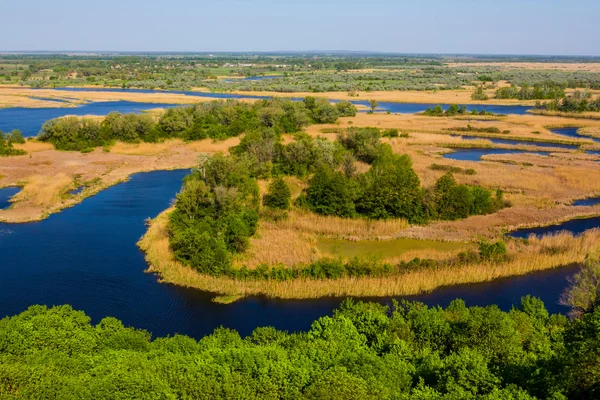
(283, 52)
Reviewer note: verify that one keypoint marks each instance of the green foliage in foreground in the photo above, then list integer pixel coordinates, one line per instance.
(6, 143)
(364, 351)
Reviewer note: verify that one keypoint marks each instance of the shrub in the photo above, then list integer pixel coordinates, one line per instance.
(390, 133)
(346, 109)
(495, 252)
(278, 195)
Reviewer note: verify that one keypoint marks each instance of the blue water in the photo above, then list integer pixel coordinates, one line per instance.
(592, 201)
(5, 195)
(523, 142)
(402, 108)
(576, 226)
(77, 191)
(572, 132)
(475, 154)
(30, 120)
(86, 256)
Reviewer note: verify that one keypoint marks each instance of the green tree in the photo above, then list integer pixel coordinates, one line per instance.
(373, 104)
(278, 195)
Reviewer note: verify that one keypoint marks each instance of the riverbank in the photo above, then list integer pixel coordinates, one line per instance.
(540, 254)
(17, 96)
(47, 176)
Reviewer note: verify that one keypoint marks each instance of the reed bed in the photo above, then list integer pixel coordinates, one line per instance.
(346, 228)
(33, 146)
(539, 254)
(43, 191)
(145, 149)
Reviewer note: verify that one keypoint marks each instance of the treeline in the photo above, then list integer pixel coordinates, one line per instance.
(577, 103)
(540, 91)
(216, 120)
(391, 189)
(364, 351)
(6, 143)
(453, 109)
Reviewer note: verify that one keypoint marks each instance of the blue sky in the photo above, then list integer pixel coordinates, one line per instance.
(558, 27)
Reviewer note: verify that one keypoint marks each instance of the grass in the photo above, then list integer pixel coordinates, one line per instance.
(383, 248)
(525, 257)
(357, 229)
(145, 149)
(33, 146)
(43, 192)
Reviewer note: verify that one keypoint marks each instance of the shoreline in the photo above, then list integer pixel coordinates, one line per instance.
(155, 244)
(396, 96)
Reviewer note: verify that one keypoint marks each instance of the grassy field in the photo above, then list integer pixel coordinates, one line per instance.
(384, 249)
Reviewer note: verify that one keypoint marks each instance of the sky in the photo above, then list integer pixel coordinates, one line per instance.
(544, 27)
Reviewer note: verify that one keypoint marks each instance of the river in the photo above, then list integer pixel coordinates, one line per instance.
(86, 256)
(30, 120)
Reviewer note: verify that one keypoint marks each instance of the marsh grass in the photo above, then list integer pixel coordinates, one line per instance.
(525, 257)
(171, 145)
(44, 192)
(386, 249)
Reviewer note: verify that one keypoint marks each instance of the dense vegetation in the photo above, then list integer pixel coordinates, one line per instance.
(453, 109)
(391, 188)
(364, 351)
(216, 120)
(577, 103)
(7, 141)
(218, 208)
(294, 72)
(541, 91)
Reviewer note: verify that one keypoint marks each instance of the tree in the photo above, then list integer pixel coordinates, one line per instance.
(278, 195)
(330, 193)
(346, 109)
(373, 104)
(15, 136)
(583, 294)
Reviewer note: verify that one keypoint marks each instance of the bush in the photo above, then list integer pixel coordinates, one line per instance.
(495, 252)
(6, 144)
(346, 109)
(390, 133)
(278, 195)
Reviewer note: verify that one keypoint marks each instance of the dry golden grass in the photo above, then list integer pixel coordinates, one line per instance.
(213, 146)
(539, 254)
(15, 96)
(354, 229)
(145, 149)
(42, 191)
(32, 146)
(292, 241)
